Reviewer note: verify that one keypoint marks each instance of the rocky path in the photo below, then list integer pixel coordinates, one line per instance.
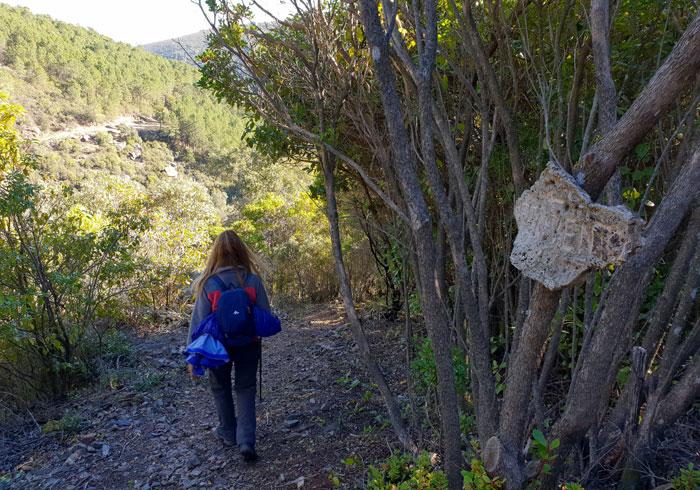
(138, 123)
(149, 426)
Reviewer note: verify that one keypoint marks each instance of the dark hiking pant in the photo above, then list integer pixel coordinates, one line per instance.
(244, 361)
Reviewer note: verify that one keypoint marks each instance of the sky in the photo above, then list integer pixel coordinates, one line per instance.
(133, 21)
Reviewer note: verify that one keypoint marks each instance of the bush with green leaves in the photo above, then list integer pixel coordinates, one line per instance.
(476, 478)
(404, 472)
(62, 269)
(543, 452)
(290, 233)
(689, 478)
(67, 425)
(184, 223)
(423, 366)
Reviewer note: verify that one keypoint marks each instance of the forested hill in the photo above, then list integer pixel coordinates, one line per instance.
(66, 74)
(178, 49)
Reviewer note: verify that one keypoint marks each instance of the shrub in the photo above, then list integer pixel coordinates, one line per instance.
(61, 269)
(290, 233)
(403, 472)
(68, 424)
(689, 479)
(423, 366)
(103, 138)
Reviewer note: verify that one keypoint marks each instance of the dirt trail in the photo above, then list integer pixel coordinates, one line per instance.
(153, 427)
(109, 127)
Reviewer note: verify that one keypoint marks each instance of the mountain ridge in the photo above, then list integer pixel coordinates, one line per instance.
(182, 48)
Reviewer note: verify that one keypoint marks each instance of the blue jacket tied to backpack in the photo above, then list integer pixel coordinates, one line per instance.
(266, 324)
(207, 349)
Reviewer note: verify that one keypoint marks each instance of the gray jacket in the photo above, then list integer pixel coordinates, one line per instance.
(202, 305)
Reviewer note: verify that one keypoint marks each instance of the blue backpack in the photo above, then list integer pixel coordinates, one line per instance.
(234, 314)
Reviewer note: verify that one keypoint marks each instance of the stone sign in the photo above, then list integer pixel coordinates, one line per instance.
(562, 234)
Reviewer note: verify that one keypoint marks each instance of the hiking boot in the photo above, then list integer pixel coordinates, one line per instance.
(219, 433)
(248, 453)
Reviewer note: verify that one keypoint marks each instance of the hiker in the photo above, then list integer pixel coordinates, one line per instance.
(230, 263)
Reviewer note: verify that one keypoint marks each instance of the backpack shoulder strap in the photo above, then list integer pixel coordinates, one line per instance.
(246, 279)
(219, 283)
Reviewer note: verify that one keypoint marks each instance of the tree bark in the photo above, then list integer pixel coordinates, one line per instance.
(605, 87)
(591, 389)
(521, 374)
(572, 111)
(355, 323)
(676, 75)
(436, 319)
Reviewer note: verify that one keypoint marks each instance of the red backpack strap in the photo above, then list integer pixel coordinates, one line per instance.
(215, 295)
(252, 293)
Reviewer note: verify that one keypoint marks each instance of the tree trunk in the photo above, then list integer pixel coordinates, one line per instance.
(591, 389)
(521, 374)
(676, 74)
(436, 319)
(355, 324)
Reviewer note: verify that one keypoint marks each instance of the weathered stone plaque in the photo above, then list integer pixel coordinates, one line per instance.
(562, 234)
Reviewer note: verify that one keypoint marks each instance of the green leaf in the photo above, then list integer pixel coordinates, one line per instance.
(539, 437)
(642, 150)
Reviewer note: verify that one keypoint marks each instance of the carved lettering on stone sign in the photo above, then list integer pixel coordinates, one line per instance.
(562, 234)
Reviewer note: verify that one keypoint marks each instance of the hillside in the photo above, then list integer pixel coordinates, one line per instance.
(179, 48)
(63, 74)
(184, 48)
(68, 77)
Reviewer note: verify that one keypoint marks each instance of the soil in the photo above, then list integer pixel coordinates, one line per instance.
(148, 425)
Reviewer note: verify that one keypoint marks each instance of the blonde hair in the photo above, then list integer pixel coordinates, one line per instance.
(228, 251)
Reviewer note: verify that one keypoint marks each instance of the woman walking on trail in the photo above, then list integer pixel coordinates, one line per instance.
(230, 263)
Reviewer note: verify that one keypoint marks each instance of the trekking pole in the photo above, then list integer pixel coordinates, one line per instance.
(260, 399)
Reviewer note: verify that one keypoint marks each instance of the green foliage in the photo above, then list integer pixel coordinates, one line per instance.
(477, 479)
(148, 382)
(290, 234)
(68, 424)
(542, 452)
(111, 345)
(103, 138)
(423, 366)
(70, 74)
(689, 479)
(183, 224)
(61, 268)
(571, 486)
(404, 472)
